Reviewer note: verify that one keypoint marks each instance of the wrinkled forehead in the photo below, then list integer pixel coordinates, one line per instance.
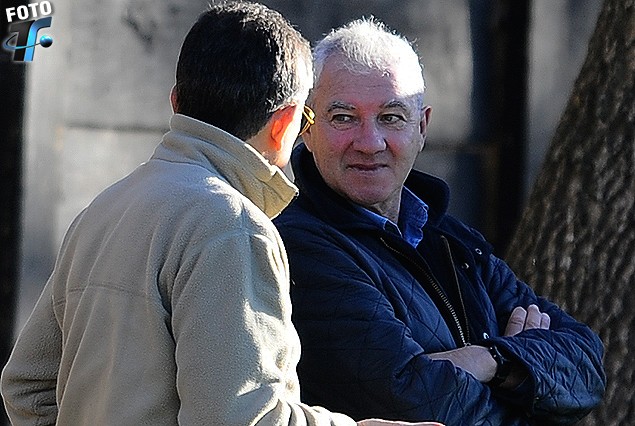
(350, 82)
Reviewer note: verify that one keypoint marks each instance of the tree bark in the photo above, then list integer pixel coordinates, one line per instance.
(575, 243)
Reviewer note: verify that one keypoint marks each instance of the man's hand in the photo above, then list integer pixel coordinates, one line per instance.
(477, 360)
(521, 320)
(474, 359)
(378, 422)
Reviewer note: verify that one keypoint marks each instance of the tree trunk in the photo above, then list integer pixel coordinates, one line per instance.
(575, 243)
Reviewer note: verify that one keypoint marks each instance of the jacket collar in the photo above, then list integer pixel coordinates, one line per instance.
(433, 191)
(199, 143)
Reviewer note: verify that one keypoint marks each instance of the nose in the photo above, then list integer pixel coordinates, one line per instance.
(370, 139)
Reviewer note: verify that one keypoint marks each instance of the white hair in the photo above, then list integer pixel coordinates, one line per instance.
(366, 45)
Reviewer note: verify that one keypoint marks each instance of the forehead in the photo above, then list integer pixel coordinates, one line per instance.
(339, 86)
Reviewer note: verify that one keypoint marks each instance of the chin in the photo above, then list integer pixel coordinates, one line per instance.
(368, 200)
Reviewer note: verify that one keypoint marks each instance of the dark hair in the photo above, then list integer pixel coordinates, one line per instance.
(238, 64)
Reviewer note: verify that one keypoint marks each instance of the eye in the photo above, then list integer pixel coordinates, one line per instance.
(392, 119)
(341, 118)
(343, 121)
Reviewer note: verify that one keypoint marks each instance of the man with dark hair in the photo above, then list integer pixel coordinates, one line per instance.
(169, 299)
(218, 56)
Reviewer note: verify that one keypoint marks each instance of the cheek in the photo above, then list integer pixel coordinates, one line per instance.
(326, 143)
(308, 141)
(413, 144)
(406, 153)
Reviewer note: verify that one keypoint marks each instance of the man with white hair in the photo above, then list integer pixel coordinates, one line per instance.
(402, 310)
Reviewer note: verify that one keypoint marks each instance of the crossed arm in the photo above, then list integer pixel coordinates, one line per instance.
(477, 360)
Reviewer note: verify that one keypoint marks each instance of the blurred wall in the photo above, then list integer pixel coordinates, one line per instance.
(97, 104)
(97, 100)
(560, 33)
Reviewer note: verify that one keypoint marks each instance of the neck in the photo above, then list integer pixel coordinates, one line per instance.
(388, 209)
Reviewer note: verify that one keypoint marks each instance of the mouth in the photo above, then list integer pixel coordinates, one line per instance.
(363, 167)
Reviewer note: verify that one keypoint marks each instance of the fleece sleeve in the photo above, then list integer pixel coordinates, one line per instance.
(236, 349)
(29, 378)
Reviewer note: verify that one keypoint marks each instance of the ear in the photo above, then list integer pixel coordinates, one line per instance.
(173, 100)
(280, 126)
(423, 124)
(425, 119)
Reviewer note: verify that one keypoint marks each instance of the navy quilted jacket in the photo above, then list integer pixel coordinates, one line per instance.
(368, 307)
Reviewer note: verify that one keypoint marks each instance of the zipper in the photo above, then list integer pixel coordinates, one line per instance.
(448, 251)
(437, 289)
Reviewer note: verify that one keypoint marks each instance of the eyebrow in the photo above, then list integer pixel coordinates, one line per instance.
(396, 104)
(349, 107)
(340, 105)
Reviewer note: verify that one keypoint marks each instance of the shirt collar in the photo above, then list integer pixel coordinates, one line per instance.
(413, 215)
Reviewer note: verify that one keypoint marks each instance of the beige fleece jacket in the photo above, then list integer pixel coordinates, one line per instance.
(169, 300)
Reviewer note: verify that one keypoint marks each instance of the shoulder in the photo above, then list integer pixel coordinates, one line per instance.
(295, 215)
(300, 226)
(184, 199)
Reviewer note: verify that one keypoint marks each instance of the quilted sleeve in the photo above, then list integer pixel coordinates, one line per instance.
(566, 377)
(357, 356)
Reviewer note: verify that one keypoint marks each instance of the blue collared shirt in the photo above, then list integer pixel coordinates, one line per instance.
(413, 215)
